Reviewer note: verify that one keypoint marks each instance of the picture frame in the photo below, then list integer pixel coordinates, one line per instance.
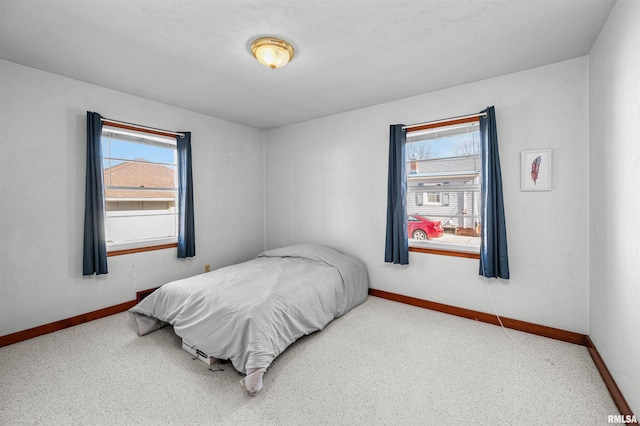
(535, 170)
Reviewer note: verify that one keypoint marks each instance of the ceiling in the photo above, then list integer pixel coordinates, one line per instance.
(350, 54)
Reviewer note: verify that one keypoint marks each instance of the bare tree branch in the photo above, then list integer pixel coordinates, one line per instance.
(419, 151)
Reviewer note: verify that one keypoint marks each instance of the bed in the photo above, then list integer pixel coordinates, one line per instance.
(251, 312)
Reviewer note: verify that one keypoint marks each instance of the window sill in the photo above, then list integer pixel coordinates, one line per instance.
(119, 249)
(445, 249)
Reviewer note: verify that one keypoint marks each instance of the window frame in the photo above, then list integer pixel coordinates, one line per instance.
(139, 246)
(420, 198)
(443, 248)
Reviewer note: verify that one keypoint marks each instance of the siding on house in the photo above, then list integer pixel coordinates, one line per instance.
(457, 209)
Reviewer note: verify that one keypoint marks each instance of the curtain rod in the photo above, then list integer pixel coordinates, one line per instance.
(130, 126)
(444, 120)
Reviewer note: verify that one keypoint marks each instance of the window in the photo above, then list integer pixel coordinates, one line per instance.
(140, 182)
(432, 198)
(443, 186)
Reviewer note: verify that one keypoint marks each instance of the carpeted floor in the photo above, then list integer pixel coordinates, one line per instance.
(382, 363)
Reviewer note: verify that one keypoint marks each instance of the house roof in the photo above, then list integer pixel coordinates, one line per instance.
(139, 174)
(449, 166)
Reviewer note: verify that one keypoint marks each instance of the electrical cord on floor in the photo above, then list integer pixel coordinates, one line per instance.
(495, 312)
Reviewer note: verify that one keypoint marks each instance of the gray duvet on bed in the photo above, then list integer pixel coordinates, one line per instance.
(250, 312)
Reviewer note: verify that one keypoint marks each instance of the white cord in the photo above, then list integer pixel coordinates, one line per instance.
(505, 329)
(495, 312)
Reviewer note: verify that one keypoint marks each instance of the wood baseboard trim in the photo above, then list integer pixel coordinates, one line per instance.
(19, 336)
(540, 330)
(617, 396)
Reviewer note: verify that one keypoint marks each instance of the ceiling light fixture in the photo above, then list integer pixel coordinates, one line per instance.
(272, 52)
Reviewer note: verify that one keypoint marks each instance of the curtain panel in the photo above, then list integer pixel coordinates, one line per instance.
(94, 256)
(397, 243)
(494, 260)
(186, 222)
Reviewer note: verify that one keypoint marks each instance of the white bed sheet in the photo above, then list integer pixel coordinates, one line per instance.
(250, 312)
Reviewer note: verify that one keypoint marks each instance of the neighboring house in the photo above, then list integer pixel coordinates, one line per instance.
(140, 201)
(446, 189)
(127, 176)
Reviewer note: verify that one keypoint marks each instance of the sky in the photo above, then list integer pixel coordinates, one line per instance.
(446, 146)
(115, 148)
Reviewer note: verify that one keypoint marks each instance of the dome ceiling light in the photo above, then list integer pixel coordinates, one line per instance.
(272, 52)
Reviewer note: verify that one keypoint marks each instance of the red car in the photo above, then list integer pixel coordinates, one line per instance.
(422, 228)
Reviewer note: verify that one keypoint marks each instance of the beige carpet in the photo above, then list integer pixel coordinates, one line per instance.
(382, 363)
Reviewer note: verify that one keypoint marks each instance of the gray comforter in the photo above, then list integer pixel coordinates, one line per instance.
(250, 312)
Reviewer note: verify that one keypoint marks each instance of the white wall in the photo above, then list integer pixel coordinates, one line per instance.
(42, 174)
(326, 182)
(614, 77)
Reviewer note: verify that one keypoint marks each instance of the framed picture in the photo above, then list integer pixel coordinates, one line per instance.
(535, 170)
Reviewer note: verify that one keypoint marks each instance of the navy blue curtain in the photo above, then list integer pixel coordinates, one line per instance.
(494, 261)
(94, 256)
(397, 243)
(186, 227)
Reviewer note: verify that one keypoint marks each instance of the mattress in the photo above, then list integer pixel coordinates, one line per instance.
(250, 312)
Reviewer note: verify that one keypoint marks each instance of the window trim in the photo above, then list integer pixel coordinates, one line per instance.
(440, 248)
(139, 246)
(436, 124)
(445, 252)
(120, 252)
(139, 129)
